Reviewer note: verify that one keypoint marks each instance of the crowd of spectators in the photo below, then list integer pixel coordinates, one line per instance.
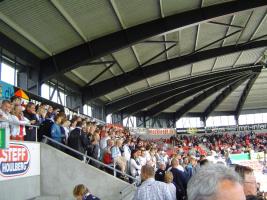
(146, 161)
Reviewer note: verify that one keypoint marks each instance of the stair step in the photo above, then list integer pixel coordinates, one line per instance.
(47, 198)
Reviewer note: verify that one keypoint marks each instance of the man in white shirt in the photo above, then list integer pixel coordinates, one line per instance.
(5, 116)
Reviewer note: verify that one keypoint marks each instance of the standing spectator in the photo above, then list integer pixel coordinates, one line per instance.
(150, 188)
(127, 150)
(40, 114)
(168, 179)
(18, 126)
(93, 150)
(78, 141)
(135, 167)
(56, 133)
(65, 126)
(15, 101)
(30, 114)
(215, 181)
(107, 158)
(80, 192)
(117, 156)
(5, 116)
(179, 178)
(249, 180)
(160, 173)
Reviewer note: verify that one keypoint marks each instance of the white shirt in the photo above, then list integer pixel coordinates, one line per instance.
(103, 142)
(15, 128)
(142, 160)
(127, 152)
(172, 189)
(134, 168)
(153, 190)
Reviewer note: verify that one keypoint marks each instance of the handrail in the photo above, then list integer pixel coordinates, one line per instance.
(86, 156)
(15, 123)
(18, 124)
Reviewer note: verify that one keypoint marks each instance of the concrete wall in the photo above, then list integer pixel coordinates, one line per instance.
(20, 188)
(61, 172)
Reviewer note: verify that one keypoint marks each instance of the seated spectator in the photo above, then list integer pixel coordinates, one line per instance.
(151, 189)
(80, 192)
(168, 179)
(215, 182)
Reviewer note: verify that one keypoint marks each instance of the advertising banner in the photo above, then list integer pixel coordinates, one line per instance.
(6, 90)
(238, 157)
(139, 131)
(21, 159)
(162, 131)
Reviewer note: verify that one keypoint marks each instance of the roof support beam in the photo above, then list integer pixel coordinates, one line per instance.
(152, 92)
(199, 98)
(89, 51)
(174, 95)
(100, 74)
(173, 100)
(18, 50)
(219, 99)
(168, 99)
(135, 75)
(245, 94)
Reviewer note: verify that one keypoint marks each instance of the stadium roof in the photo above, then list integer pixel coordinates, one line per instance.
(146, 56)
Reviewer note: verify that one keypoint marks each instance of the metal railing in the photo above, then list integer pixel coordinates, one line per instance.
(87, 158)
(3, 124)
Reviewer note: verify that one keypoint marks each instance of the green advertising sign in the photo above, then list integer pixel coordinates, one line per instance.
(238, 157)
(3, 139)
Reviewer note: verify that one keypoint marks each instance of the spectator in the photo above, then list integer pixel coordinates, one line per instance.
(249, 180)
(80, 192)
(5, 116)
(40, 115)
(168, 179)
(117, 156)
(56, 133)
(135, 167)
(215, 181)
(15, 101)
(150, 188)
(30, 114)
(18, 123)
(78, 141)
(179, 178)
(160, 173)
(93, 150)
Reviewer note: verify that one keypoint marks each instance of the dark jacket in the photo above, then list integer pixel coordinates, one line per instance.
(159, 175)
(78, 141)
(92, 151)
(90, 197)
(30, 131)
(180, 181)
